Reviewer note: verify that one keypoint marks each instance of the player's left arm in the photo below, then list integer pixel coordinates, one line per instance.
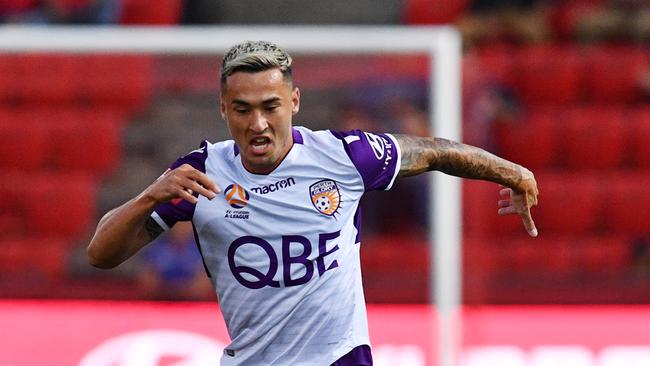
(421, 154)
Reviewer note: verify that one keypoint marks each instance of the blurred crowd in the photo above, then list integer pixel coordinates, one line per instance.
(479, 20)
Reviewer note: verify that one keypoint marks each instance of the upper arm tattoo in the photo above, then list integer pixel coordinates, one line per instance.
(153, 229)
(417, 154)
(420, 154)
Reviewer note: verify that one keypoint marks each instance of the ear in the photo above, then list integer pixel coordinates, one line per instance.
(295, 100)
(222, 108)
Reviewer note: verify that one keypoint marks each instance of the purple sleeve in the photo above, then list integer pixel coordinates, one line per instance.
(169, 213)
(376, 157)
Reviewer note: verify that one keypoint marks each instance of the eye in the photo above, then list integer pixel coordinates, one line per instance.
(241, 110)
(271, 108)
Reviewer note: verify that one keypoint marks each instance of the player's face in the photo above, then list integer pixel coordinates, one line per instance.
(258, 108)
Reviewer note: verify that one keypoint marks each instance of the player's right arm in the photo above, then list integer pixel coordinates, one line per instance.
(128, 228)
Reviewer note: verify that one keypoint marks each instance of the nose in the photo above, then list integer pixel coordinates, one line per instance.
(258, 122)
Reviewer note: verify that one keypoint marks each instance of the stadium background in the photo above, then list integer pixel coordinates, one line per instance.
(560, 87)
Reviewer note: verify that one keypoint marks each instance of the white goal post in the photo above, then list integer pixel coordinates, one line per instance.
(443, 44)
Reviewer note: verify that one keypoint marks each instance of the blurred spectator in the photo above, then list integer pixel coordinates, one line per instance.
(513, 21)
(640, 257)
(409, 119)
(487, 103)
(604, 20)
(353, 117)
(60, 11)
(200, 12)
(172, 268)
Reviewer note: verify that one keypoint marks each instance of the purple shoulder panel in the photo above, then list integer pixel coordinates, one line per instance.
(179, 209)
(359, 356)
(376, 157)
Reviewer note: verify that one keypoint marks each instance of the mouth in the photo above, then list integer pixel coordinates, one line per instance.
(260, 145)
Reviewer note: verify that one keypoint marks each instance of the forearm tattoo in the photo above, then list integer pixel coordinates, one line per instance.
(153, 229)
(420, 154)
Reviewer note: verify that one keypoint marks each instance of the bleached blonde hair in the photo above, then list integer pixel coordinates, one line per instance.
(255, 56)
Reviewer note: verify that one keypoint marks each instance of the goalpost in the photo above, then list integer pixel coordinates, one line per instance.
(442, 44)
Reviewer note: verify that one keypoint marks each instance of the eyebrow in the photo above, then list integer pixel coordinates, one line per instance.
(266, 101)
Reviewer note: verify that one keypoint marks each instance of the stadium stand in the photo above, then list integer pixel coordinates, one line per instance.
(151, 12)
(578, 118)
(583, 128)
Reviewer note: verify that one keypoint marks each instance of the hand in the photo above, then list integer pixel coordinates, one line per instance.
(520, 201)
(181, 183)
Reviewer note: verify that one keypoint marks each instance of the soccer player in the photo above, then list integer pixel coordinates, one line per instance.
(275, 214)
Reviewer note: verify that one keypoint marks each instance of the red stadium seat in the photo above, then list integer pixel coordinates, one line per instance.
(479, 265)
(481, 255)
(569, 204)
(17, 6)
(37, 255)
(14, 184)
(385, 279)
(639, 119)
(540, 255)
(565, 255)
(628, 201)
(159, 12)
(6, 78)
(120, 80)
(480, 216)
(498, 63)
(45, 78)
(85, 140)
(615, 73)
(433, 11)
(61, 204)
(24, 142)
(77, 139)
(550, 75)
(11, 223)
(595, 137)
(604, 254)
(533, 142)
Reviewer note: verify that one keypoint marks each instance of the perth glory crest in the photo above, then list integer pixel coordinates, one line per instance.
(325, 196)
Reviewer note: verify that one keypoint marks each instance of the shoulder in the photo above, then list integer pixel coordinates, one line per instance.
(356, 142)
(318, 138)
(375, 156)
(198, 157)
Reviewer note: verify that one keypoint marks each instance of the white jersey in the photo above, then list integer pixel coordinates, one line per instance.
(282, 249)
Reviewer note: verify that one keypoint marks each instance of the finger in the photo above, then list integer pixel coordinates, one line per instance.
(187, 196)
(507, 211)
(163, 174)
(528, 222)
(505, 192)
(503, 203)
(205, 181)
(196, 187)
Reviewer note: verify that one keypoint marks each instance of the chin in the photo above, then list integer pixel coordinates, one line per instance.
(260, 165)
